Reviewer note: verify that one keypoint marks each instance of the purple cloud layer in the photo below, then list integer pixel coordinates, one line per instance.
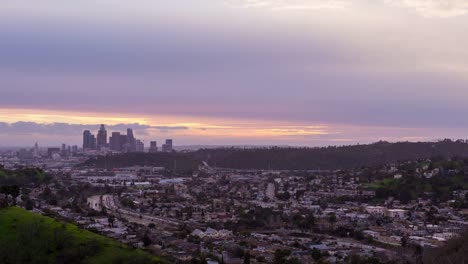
(307, 75)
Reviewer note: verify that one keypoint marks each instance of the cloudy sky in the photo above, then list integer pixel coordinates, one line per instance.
(286, 72)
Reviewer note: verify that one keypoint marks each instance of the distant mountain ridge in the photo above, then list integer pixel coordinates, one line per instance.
(198, 147)
(292, 158)
(343, 157)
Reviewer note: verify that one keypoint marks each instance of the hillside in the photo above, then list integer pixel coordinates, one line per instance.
(455, 251)
(178, 161)
(343, 157)
(26, 237)
(330, 157)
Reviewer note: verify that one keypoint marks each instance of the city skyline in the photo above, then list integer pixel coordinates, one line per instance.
(235, 72)
(96, 144)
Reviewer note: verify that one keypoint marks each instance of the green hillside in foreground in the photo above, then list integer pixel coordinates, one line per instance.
(26, 237)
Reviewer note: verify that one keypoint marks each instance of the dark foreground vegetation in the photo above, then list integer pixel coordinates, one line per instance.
(455, 251)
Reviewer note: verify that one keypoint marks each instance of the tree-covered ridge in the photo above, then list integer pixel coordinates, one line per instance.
(171, 161)
(437, 179)
(27, 237)
(410, 188)
(344, 157)
(15, 182)
(23, 176)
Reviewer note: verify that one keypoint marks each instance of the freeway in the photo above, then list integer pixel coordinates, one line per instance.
(109, 202)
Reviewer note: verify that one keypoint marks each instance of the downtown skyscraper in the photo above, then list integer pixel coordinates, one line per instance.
(116, 142)
(102, 138)
(89, 140)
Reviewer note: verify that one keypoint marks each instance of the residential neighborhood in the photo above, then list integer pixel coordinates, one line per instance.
(222, 215)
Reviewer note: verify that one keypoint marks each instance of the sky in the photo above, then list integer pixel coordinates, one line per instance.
(234, 72)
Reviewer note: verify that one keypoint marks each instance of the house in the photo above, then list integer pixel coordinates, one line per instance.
(376, 210)
(396, 213)
(211, 232)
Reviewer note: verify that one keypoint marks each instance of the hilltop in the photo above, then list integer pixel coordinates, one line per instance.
(289, 158)
(26, 237)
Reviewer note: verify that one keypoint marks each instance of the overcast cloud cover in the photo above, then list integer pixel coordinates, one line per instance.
(67, 129)
(338, 63)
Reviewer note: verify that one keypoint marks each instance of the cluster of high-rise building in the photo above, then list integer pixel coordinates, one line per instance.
(52, 152)
(119, 142)
(64, 151)
(167, 147)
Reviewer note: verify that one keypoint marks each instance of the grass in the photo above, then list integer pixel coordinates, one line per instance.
(381, 184)
(40, 239)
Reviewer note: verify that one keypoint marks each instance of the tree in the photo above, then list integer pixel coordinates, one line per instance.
(323, 206)
(281, 255)
(146, 240)
(293, 261)
(316, 254)
(46, 192)
(200, 260)
(189, 213)
(454, 251)
(405, 195)
(111, 220)
(29, 205)
(404, 241)
(356, 259)
(13, 190)
(332, 219)
(247, 257)
(237, 252)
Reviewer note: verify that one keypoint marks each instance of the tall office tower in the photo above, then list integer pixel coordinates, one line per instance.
(114, 141)
(124, 145)
(86, 135)
(168, 146)
(89, 140)
(102, 138)
(63, 151)
(36, 150)
(93, 141)
(131, 143)
(139, 146)
(153, 147)
(74, 149)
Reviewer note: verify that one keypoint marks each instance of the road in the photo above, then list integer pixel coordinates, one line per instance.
(109, 202)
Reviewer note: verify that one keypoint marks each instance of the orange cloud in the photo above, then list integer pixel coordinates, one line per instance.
(206, 127)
